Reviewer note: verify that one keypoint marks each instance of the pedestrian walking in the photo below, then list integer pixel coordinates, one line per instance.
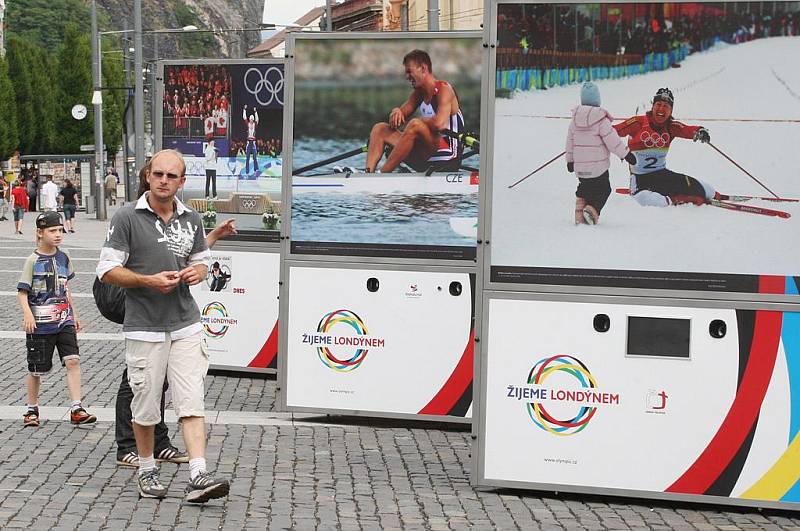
(111, 188)
(32, 188)
(71, 202)
(49, 318)
(49, 195)
(19, 204)
(156, 249)
(4, 198)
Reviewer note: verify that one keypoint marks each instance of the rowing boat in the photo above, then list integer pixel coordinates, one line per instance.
(393, 183)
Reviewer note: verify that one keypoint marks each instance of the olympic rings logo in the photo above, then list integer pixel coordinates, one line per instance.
(194, 167)
(653, 139)
(249, 203)
(266, 86)
(540, 416)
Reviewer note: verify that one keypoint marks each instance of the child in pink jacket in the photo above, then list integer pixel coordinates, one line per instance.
(590, 140)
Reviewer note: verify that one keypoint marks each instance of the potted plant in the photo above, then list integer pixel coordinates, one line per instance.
(210, 218)
(270, 218)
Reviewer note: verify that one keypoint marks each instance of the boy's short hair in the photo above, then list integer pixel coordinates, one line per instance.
(420, 57)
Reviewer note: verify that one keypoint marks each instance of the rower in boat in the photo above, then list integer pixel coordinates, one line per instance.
(419, 143)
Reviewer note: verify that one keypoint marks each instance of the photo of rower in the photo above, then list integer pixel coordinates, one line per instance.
(382, 162)
(419, 141)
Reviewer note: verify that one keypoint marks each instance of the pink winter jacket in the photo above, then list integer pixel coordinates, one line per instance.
(590, 139)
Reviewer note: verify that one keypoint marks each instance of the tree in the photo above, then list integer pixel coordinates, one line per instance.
(75, 86)
(26, 18)
(20, 64)
(113, 102)
(8, 114)
(44, 100)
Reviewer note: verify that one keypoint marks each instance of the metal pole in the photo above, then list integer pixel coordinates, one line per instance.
(138, 101)
(404, 16)
(433, 15)
(153, 80)
(98, 114)
(328, 16)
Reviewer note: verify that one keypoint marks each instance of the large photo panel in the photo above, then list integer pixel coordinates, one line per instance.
(385, 157)
(674, 168)
(227, 120)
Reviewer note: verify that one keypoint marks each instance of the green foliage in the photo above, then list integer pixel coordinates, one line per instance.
(27, 19)
(74, 86)
(194, 44)
(113, 101)
(20, 59)
(44, 100)
(8, 114)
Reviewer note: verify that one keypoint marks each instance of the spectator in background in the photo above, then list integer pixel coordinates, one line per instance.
(71, 202)
(49, 195)
(3, 194)
(32, 187)
(19, 204)
(111, 188)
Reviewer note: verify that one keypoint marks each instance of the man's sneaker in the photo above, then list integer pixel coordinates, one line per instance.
(80, 416)
(31, 418)
(171, 454)
(130, 459)
(204, 487)
(150, 485)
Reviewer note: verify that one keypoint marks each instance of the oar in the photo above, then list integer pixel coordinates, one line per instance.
(351, 153)
(469, 139)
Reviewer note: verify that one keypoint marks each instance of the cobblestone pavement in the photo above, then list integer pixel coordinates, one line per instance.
(337, 473)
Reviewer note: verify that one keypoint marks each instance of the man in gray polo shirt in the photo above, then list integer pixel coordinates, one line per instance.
(156, 249)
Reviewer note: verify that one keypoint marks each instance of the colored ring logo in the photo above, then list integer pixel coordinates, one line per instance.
(572, 367)
(326, 324)
(215, 319)
(267, 85)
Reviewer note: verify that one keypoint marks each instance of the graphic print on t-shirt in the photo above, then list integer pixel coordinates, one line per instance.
(179, 239)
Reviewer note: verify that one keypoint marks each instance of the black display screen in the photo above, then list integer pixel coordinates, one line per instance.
(656, 336)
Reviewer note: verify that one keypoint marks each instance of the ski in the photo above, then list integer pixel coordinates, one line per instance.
(751, 209)
(735, 198)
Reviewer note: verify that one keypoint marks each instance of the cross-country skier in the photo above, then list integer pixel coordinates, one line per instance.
(652, 184)
(590, 140)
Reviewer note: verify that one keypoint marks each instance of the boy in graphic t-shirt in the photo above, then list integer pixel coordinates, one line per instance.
(49, 317)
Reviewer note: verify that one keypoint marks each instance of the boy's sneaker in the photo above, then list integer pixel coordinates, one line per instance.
(150, 485)
(31, 418)
(130, 459)
(80, 416)
(170, 454)
(204, 487)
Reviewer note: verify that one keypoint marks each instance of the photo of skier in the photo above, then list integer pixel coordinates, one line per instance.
(717, 75)
(651, 134)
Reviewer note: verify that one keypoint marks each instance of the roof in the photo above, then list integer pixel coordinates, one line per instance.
(265, 47)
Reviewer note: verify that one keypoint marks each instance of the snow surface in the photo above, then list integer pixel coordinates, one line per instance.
(733, 91)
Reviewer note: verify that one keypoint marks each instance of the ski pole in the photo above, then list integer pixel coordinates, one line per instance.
(539, 168)
(744, 170)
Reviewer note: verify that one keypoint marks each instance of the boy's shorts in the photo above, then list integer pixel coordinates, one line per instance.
(41, 346)
(19, 213)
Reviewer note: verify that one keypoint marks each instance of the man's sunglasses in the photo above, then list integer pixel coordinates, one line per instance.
(159, 174)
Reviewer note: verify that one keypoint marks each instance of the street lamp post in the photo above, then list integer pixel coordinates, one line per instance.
(138, 97)
(97, 101)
